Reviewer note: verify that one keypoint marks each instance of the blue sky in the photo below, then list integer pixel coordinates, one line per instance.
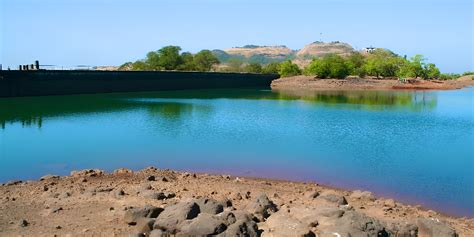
(110, 32)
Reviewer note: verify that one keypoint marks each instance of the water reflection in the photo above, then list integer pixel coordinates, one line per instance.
(368, 100)
(34, 110)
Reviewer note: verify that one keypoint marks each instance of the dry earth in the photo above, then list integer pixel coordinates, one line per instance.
(311, 83)
(154, 202)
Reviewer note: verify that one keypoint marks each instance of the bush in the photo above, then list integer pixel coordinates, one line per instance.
(288, 69)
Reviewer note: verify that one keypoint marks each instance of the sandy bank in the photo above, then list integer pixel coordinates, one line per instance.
(309, 82)
(93, 203)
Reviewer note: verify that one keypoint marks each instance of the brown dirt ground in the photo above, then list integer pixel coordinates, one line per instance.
(81, 205)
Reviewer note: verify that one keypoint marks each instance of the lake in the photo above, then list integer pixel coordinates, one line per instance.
(417, 147)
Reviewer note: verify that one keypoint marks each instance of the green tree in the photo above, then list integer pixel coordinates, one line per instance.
(204, 60)
(356, 62)
(253, 68)
(169, 58)
(271, 68)
(330, 66)
(431, 71)
(288, 69)
(382, 63)
(188, 63)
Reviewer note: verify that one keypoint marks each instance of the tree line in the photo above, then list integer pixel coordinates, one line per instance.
(170, 58)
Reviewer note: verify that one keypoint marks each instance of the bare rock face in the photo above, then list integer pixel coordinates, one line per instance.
(132, 215)
(173, 216)
(432, 227)
(262, 207)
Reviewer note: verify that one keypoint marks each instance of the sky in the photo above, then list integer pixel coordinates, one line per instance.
(111, 32)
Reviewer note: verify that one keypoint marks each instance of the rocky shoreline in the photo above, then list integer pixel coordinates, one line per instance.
(154, 202)
(311, 83)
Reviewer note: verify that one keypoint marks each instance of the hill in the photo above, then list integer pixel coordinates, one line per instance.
(268, 54)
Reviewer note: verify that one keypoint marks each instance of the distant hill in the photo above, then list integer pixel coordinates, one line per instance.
(268, 54)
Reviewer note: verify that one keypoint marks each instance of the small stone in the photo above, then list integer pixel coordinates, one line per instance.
(151, 178)
(24, 223)
(49, 177)
(56, 210)
(312, 194)
(58, 227)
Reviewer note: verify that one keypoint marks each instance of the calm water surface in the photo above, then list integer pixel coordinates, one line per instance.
(413, 146)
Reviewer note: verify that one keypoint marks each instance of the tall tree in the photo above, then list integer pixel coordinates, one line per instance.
(204, 60)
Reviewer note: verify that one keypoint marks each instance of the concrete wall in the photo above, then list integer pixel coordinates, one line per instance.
(51, 82)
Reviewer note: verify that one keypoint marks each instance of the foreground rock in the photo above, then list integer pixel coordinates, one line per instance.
(130, 203)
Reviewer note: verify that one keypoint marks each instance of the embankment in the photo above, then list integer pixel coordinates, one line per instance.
(58, 82)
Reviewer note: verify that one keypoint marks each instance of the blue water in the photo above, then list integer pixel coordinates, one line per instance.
(417, 147)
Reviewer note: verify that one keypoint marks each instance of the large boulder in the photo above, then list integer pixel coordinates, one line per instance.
(173, 216)
(241, 228)
(204, 224)
(157, 195)
(313, 216)
(365, 196)
(282, 224)
(354, 224)
(239, 223)
(262, 207)
(210, 206)
(332, 197)
(132, 215)
(428, 227)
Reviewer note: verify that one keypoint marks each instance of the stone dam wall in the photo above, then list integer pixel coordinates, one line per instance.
(59, 82)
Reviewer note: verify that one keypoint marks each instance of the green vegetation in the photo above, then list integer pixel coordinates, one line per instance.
(330, 66)
(169, 58)
(288, 69)
(380, 63)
